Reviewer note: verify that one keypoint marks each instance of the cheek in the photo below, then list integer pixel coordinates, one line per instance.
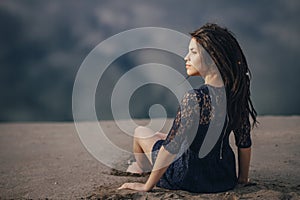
(196, 61)
(199, 62)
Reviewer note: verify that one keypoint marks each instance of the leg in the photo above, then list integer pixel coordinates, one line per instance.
(144, 139)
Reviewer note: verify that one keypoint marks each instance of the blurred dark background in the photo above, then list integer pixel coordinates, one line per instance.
(43, 44)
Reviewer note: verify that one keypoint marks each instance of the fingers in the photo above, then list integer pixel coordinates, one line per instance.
(133, 186)
(123, 186)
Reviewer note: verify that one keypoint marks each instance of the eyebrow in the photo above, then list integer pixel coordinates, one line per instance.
(192, 48)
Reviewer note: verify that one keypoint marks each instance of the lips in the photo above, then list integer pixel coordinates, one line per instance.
(187, 66)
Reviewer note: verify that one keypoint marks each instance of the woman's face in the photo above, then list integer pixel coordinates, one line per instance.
(193, 59)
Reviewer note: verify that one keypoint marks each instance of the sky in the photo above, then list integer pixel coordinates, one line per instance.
(43, 44)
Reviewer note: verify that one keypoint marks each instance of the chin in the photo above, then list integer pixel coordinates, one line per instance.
(192, 73)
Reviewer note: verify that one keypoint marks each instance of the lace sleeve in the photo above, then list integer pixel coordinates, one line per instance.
(184, 124)
(242, 134)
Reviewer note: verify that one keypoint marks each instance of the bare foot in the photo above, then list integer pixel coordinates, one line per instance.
(134, 168)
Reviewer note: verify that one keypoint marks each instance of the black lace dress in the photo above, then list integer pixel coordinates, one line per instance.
(214, 171)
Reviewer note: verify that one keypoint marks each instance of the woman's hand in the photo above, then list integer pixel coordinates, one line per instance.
(135, 186)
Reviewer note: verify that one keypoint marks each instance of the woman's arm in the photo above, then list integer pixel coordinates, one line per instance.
(163, 160)
(244, 156)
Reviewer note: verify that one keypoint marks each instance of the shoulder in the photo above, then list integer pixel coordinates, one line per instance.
(203, 90)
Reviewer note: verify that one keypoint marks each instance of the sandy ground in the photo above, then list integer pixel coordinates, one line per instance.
(48, 160)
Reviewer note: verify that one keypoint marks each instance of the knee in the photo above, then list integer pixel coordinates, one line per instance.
(142, 132)
(138, 131)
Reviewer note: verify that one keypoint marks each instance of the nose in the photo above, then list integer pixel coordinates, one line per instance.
(186, 58)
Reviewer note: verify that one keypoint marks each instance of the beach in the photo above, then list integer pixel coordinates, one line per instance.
(48, 160)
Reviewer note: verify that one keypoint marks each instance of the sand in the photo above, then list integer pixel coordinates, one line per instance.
(48, 160)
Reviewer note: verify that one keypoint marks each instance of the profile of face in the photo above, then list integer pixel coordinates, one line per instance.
(193, 59)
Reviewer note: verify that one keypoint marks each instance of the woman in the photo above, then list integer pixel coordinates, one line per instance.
(177, 159)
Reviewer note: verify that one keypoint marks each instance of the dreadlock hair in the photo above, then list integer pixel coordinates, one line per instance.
(227, 54)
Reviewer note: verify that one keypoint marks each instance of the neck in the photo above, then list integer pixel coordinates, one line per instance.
(214, 79)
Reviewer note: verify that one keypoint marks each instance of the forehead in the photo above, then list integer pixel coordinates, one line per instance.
(193, 44)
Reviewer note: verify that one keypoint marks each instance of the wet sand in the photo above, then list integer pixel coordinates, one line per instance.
(48, 160)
